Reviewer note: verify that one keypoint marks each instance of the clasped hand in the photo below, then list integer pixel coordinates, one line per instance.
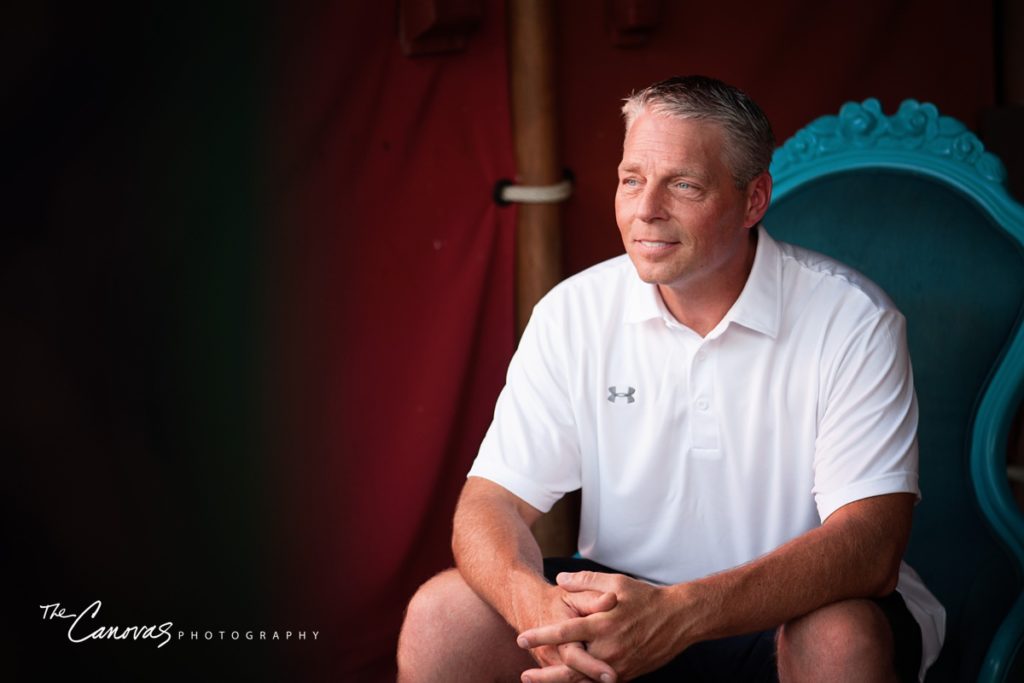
(627, 630)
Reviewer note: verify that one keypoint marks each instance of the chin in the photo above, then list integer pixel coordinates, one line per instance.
(652, 277)
(651, 274)
(649, 277)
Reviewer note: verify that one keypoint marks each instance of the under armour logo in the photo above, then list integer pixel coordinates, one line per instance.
(628, 395)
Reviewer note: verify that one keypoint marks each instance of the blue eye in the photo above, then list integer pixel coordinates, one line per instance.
(683, 186)
(631, 182)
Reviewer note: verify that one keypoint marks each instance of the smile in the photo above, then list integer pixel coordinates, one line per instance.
(656, 245)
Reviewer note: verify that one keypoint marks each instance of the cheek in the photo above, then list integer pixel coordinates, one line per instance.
(621, 213)
(624, 232)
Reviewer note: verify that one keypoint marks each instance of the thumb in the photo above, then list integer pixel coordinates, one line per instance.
(588, 581)
(590, 602)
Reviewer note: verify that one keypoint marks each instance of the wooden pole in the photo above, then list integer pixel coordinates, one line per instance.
(535, 130)
(531, 45)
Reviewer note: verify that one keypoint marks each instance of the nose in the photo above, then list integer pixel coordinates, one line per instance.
(651, 204)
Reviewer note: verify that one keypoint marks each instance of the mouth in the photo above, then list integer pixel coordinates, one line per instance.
(655, 245)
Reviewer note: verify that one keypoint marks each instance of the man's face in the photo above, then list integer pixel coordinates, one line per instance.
(683, 220)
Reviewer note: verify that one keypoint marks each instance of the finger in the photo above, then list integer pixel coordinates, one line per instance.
(568, 631)
(556, 673)
(590, 602)
(589, 581)
(576, 657)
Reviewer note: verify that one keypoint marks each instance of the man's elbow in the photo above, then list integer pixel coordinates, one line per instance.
(887, 574)
(888, 582)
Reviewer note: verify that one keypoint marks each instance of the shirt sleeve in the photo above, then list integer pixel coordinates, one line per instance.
(867, 439)
(532, 446)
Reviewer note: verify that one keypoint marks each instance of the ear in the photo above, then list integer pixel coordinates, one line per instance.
(759, 195)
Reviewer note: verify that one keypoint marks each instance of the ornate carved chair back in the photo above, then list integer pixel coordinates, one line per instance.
(913, 201)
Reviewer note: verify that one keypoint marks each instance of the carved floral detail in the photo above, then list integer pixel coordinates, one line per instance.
(915, 123)
(863, 125)
(967, 148)
(803, 145)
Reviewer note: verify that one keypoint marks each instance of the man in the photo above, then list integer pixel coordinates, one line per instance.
(740, 416)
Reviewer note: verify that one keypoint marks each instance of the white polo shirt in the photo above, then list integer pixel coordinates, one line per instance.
(699, 454)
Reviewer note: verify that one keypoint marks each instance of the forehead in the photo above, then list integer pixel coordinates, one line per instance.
(661, 138)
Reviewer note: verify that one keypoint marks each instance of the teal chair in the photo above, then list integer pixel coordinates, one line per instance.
(913, 201)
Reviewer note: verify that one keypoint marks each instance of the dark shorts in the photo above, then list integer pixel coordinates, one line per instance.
(752, 657)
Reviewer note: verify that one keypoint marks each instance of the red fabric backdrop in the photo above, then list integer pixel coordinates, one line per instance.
(396, 322)
(394, 268)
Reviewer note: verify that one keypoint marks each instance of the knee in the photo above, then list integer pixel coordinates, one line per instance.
(431, 613)
(844, 641)
(450, 634)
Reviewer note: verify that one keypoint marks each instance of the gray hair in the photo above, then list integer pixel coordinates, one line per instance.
(749, 141)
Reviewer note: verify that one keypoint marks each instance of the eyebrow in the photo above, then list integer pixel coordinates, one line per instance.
(690, 173)
(681, 172)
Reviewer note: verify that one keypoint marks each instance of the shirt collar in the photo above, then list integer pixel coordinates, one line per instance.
(758, 306)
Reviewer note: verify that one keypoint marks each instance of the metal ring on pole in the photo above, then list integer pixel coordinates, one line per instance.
(506, 192)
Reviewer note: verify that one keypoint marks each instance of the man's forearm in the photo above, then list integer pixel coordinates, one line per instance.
(495, 551)
(855, 555)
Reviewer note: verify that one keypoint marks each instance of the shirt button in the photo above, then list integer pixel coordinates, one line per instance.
(702, 404)
(701, 356)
